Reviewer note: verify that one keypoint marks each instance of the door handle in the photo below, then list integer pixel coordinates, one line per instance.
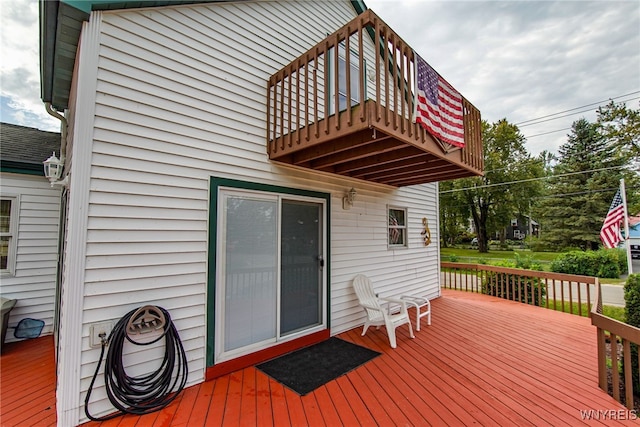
(321, 259)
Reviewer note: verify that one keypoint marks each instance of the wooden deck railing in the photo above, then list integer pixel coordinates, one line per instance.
(303, 93)
(628, 336)
(564, 292)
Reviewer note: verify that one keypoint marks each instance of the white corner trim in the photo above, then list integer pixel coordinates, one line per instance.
(436, 240)
(68, 395)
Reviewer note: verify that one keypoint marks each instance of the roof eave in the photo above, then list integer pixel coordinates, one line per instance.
(55, 77)
(48, 22)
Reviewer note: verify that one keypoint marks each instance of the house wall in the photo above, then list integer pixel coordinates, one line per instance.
(33, 283)
(180, 96)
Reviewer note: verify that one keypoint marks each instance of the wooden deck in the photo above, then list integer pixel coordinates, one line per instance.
(484, 361)
(28, 383)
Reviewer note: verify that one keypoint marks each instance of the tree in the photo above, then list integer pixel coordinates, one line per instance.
(621, 127)
(587, 176)
(454, 214)
(508, 185)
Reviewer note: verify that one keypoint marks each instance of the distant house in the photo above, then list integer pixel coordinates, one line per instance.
(236, 163)
(518, 228)
(521, 227)
(30, 216)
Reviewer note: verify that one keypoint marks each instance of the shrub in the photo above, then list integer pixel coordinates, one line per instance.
(622, 260)
(527, 262)
(632, 315)
(602, 263)
(528, 290)
(453, 258)
(575, 262)
(608, 263)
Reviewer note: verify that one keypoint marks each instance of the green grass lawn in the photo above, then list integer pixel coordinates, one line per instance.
(473, 256)
(608, 310)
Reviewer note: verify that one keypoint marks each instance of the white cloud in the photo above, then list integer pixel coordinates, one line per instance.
(19, 68)
(517, 60)
(521, 60)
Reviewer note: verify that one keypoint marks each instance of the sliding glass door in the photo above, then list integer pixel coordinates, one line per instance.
(270, 283)
(301, 266)
(250, 266)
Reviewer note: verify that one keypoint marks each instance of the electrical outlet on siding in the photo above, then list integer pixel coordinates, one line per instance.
(96, 329)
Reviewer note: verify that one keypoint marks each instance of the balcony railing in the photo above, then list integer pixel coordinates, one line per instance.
(564, 292)
(346, 105)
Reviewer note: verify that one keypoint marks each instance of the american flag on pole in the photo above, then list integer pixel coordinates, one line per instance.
(438, 106)
(610, 232)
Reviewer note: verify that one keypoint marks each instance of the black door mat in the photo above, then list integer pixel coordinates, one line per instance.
(306, 369)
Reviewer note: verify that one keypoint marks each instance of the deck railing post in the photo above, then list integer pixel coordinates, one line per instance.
(628, 375)
(579, 286)
(602, 359)
(615, 375)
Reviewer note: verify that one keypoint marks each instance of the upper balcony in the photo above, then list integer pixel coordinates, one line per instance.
(372, 136)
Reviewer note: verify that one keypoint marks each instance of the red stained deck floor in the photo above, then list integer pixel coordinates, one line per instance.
(484, 361)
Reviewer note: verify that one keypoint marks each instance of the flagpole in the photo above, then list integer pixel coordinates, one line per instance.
(623, 195)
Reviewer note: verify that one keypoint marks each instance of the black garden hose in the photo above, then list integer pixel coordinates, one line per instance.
(147, 393)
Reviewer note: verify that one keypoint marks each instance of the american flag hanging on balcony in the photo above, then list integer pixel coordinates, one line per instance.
(438, 107)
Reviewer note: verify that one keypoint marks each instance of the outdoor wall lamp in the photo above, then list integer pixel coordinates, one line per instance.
(349, 198)
(53, 170)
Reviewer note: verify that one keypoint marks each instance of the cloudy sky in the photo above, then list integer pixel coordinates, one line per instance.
(528, 62)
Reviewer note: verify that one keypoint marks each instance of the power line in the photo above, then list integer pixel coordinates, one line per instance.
(561, 195)
(539, 120)
(576, 108)
(551, 196)
(545, 133)
(582, 192)
(529, 179)
(547, 119)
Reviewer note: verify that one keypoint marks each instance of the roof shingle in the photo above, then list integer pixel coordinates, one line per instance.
(27, 145)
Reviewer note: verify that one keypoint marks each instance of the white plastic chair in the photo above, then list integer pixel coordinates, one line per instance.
(376, 314)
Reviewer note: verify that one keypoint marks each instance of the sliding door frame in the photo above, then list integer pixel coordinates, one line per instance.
(216, 184)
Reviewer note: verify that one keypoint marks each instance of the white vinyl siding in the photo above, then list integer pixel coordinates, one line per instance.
(181, 97)
(32, 280)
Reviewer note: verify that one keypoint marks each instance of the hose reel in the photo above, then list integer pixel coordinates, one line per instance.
(143, 321)
(149, 392)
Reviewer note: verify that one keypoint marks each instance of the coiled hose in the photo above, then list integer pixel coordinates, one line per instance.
(147, 393)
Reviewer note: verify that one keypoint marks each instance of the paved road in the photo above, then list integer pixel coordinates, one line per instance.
(612, 295)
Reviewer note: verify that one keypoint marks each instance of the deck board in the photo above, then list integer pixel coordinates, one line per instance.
(483, 361)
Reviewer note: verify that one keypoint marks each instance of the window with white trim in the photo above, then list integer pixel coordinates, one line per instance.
(8, 223)
(397, 227)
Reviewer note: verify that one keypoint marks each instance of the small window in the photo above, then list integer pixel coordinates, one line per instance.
(397, 227)
(7, 234)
